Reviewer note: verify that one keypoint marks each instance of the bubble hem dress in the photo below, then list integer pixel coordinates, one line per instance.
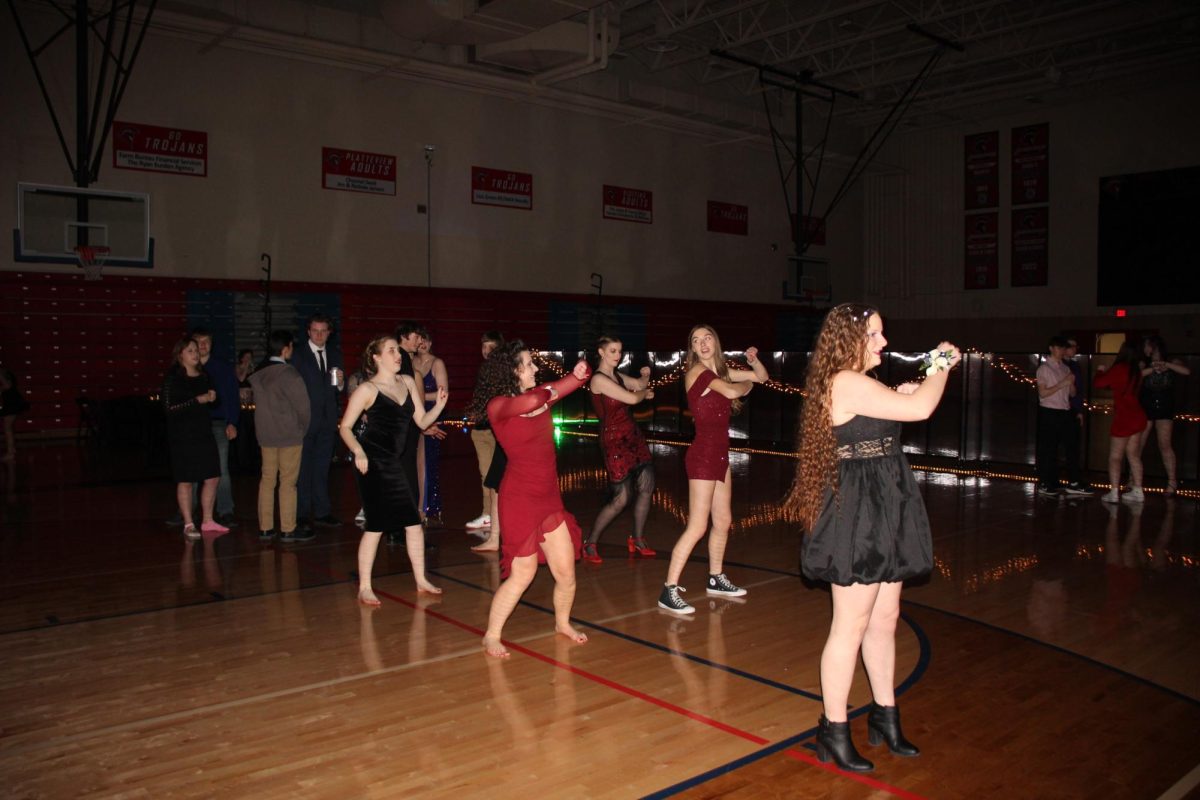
(876, 529)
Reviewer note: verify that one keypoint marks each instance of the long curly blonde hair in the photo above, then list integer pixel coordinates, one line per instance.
(841, 344)
(719, 357)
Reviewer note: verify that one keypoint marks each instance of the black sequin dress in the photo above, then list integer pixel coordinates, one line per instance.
(876, 529)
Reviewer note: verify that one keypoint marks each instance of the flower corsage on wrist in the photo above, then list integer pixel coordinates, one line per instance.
(936, 361)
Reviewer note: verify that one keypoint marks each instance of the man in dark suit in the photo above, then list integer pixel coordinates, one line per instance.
(324, 377)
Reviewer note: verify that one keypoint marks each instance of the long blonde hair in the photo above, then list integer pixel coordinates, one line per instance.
(841, 344)
(722, 369)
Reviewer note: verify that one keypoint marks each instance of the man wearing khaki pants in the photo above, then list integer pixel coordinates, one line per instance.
(281, 416)
(485, 447)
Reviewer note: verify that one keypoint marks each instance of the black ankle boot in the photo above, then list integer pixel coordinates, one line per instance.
(833, 741)
(883, 725)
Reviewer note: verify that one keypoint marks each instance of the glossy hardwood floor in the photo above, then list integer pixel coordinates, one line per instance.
(1054, 652)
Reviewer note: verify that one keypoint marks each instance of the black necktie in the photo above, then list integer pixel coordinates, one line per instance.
(321, 359)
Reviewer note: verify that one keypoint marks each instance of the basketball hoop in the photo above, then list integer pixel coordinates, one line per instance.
(92, 258)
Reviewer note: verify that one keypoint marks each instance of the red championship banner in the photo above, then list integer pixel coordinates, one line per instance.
(1031, 164)
(982, 158)
(356, 171)
(501, 187)
(982, 237)
(728, 218)
(630, 205)
(1030, 237)
(149, 148)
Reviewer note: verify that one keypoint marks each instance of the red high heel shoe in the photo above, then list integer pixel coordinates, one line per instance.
(590, 554)
(640, 549)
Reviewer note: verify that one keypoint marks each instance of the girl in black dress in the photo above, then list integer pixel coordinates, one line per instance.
(1157, 397)
(865, 526)
(12, 403)
(187, 392)
(386, 480)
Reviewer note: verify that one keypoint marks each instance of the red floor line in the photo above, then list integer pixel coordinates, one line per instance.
(721, 726)
(866, 780)
(591, 676)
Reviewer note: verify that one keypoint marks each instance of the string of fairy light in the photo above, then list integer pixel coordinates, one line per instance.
(1010, 370)
(585, 479)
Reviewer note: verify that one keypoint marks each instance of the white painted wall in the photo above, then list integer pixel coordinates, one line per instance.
(267, 117)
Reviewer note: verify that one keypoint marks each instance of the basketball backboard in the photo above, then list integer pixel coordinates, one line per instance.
(54, 221)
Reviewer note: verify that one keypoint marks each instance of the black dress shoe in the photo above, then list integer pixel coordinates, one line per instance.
(301, 534)
(266, 536)
(329, 521)
(228, 520)
(175, 519)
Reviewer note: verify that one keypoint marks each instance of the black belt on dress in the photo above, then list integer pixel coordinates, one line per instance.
(869, 448)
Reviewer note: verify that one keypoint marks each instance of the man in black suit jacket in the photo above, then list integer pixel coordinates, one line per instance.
(324, 378)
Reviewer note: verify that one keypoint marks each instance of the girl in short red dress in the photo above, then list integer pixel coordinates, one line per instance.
(537, 529)
(1129, 420)
(626, 456)
(713, 391)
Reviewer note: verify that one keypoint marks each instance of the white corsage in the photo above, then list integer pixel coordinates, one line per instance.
(936, 361)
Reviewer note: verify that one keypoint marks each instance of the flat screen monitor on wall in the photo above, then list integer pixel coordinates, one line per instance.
(1149, 252)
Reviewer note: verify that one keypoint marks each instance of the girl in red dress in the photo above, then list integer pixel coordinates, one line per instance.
(626, 457)
(713, 391)
(537, 529)
(1129, 420)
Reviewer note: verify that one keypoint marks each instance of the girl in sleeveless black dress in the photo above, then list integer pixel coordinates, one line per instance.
(865, 522)
(1157, 397)
(384, 457)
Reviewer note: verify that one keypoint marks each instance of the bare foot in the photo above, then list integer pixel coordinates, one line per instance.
(368, 598)
(425, 586)
(495, 648)
(490, 546)
(571, 633)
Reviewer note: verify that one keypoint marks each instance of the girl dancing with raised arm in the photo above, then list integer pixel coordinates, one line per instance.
(626, 456)
(865, 525)
(385, 481)
(713, 392)
(537, 529)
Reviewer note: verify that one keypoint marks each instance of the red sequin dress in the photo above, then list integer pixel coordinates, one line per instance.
(708, 457)
(621, 440)
(530, 504)
(1128, 416)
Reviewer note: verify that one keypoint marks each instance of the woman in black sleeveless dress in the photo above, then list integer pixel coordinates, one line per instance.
(866, 528)
(384, 457)
(1157, 397)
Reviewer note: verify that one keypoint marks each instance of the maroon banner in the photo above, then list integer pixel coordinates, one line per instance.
(1031, 164)
(501, 187)
(150, 148)
(982, 171)
(1030, 238)
(814, 229)
(628, 205)
(728, 218)
(356, 171)
(982, 258)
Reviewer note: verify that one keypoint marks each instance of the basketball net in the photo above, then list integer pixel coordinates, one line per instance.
(92, 258)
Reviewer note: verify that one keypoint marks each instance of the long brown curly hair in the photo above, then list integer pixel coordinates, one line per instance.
(722, 368)
(841, 344)
(497, 377)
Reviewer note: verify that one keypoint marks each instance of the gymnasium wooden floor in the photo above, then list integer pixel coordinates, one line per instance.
(1054, 652)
